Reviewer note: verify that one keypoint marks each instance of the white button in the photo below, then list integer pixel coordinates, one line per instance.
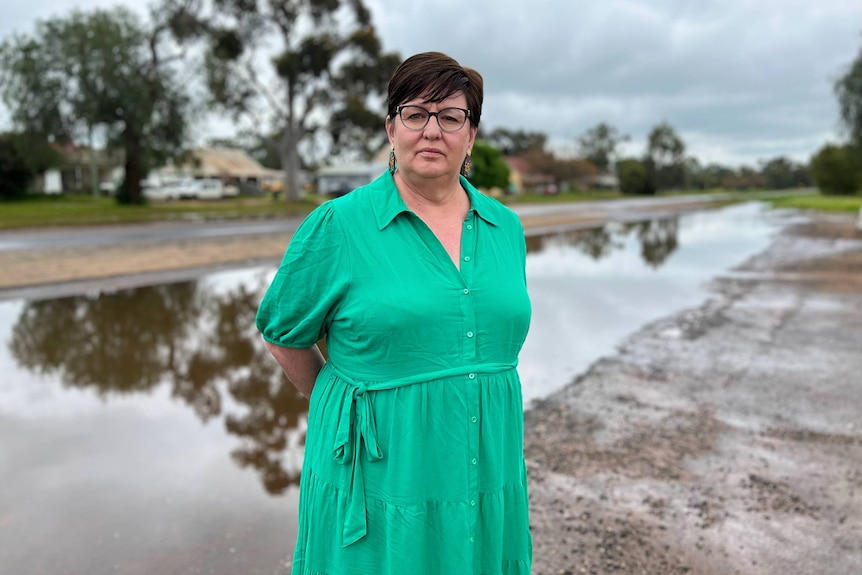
(472, 376)
(469, 227)
(472, 503)
(469, 334)
(473, 419)
(466, 258)
(466, 291)
(474, 462)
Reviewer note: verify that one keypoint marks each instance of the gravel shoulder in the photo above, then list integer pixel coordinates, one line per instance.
(725, 439)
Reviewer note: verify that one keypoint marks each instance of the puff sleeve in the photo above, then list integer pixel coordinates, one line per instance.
(312, 279)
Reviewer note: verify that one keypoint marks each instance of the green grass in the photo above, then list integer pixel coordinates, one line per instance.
(819, 202)
(72, 210)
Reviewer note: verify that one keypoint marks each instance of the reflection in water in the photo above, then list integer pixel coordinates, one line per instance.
(201, 343)
(195, 340)
(658, 240)
(119, 343)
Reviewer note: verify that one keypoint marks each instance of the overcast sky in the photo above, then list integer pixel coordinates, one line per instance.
(740, 80)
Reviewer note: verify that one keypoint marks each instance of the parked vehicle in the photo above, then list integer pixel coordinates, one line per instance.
(189, 189)
(211, 189)
(164, 190)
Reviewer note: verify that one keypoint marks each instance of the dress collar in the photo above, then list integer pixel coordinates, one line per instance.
(387, 203)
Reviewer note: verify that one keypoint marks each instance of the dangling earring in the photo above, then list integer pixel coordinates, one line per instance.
(393, 165)
(468, 163)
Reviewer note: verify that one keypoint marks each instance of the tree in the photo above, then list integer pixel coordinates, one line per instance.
(665, 157)
(515, 142)
(848, 88)
(101, 68)
(599, 144)
(634, 177)
(22, 158)
(837, 169)
(715, 176)
(782, 173)
(294, 68)
(489, 167)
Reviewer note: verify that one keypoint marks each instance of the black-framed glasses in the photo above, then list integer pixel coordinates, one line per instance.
(417, 117)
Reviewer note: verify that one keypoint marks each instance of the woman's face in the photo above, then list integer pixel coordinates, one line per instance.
(430, 152)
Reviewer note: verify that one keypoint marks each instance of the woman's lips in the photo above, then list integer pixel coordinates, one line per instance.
(431, 152)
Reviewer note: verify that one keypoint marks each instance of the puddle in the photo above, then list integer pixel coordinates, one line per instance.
(148, 431)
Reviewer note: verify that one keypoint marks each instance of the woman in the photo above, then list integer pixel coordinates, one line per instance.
(414, 452)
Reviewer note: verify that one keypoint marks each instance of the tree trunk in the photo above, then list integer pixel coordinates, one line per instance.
(290, 163)
(94, 171)
(134, 171)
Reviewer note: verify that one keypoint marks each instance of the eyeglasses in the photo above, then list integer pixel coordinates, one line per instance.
(416, 117)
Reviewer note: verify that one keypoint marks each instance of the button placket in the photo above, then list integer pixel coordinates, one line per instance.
(468, 255)
(469, 337)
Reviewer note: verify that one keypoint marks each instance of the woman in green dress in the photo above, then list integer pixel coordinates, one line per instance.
(414, 454)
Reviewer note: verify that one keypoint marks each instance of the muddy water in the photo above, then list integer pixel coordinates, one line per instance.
(147, 430)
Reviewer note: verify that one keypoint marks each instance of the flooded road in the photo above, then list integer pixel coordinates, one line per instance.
(148, 430)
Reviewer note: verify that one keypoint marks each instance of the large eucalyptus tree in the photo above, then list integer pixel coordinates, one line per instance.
(310, 71)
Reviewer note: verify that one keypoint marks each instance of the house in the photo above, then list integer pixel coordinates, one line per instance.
(522, 178)
(79, 165)
(233, 166)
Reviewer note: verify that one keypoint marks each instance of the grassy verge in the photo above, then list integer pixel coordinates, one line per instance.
(819, 202)
(87, 210)
(71, 210)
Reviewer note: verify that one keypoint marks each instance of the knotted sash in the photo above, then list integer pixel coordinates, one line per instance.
(356, 426)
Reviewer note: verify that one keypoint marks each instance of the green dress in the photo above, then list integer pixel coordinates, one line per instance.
(414, 458)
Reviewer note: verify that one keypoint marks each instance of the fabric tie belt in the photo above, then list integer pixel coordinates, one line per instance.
(356, 425)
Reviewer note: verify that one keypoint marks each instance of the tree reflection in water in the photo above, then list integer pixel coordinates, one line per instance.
(658, 240)
(204, 344)
(199, 342)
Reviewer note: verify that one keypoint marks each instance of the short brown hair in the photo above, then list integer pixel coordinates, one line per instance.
(435, 76)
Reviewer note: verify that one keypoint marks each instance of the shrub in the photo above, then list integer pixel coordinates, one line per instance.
(838, 169)
(634, 177)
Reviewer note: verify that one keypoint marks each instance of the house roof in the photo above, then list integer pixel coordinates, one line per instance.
(227, 163)
(517, 164)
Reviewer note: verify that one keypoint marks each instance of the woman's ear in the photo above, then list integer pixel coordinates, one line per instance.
(472, 139)
(390, 130)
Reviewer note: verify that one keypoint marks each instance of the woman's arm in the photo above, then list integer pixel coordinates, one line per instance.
(301, 365)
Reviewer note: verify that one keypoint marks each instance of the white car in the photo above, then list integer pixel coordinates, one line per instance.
(186, 188)
(210, 189)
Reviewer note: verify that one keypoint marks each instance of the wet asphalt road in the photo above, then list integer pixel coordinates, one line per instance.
(113, 235)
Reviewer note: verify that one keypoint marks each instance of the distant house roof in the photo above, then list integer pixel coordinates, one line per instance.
(518, 164)
(226, 163)
(528, 175)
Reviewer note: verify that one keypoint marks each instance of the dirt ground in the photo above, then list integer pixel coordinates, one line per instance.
(726, 439)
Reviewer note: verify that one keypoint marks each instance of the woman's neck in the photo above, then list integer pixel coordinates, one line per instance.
(432, 195)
